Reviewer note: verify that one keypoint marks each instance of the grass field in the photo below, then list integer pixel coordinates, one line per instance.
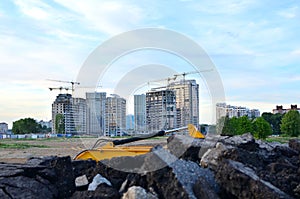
(16, 145)
(280, 139)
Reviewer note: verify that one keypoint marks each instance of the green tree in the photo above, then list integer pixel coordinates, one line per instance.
(223, 126)
(243, 125)
(274, 120)
(261, 128)
(60, 124)
(234, 125)
(290, 123)
(44, 129)
(24, 126)
(227, 127)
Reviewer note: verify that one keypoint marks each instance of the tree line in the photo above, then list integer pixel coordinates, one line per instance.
(28, 125)
(261, 127)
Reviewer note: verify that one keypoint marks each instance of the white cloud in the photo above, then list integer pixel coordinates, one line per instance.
(296, 52)
(230, 7)
(111, 17)
(289, 13)
(34, 8)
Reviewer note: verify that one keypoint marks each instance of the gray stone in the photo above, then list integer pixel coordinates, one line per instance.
(81, 181)
(245, 141)
(25, 187)
(185, 147)
(210, 159)
(4, 194)
(137, 192)
(98, 179)
(103, 191)
(181, 176)
(295, 144)
(242, 182)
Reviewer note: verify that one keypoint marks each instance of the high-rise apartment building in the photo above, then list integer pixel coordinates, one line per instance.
(115, 115)
(187, 102)
(160, 110)
(79, 115)
(95, 112)
(62, 114)
(140, 113)
(129, 122)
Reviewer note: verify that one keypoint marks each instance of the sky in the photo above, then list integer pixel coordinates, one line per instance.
(254, 45)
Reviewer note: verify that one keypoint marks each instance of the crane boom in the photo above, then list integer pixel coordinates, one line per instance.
(60, 89)
(62, 81)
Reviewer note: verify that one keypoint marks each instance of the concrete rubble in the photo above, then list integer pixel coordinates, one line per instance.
(217, 167)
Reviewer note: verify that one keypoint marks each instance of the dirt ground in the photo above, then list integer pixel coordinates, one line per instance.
(55, 147)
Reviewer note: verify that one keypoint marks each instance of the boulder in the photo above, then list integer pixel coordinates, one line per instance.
(211, 157)
(103, 191)
(58, 171)
(295, 144)
(272, 164)
(136, 192)
(245, 141)
(242, 182)
(178, 178)
(185, 147)
(49, 177)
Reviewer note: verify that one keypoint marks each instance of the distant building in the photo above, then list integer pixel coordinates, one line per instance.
(3, 128)
(254, 113)
(140, 113)
(115, 115)
(222, 109)
(48, 124)
(129, 122)
(79, 115)
(160, 110)
(281, 110)
(62, 114)
(187, 102)
(95, 111)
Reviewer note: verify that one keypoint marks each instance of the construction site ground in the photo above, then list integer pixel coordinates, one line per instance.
(18, 151)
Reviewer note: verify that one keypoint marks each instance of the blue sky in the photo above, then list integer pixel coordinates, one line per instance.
(254, 44)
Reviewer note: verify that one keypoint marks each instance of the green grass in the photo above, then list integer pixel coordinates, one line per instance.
(20, 146)
(280, 139)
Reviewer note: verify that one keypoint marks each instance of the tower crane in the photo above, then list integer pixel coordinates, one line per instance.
(60, 89)
(175, 76)
(191, 72)
(70, 82)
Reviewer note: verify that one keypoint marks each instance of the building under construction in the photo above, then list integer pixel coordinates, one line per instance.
(115, 115)
(187, 102)
(173, 106)
(160, 110)
(68, 115)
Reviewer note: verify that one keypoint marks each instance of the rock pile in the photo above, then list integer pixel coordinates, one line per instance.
(217, 167)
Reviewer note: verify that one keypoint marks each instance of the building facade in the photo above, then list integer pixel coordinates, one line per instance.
(222, 109)
(3, 128)
(140, 113)
(79, 115)
(115, 115)
(160, 110)
(281, 110)
(95, 113)
(62, 115)
(129, 122)
(47, 124)
(187, 102)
